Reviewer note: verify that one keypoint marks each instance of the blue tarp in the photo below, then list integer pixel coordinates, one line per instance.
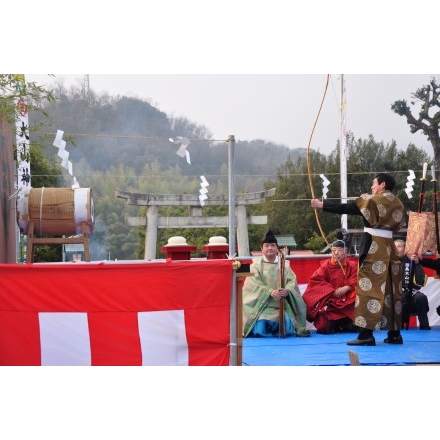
(419, 347)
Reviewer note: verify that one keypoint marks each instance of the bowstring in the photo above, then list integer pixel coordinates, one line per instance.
(310, 173)
(308, 161)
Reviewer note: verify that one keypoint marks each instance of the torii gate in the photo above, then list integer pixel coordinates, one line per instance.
(195, 220)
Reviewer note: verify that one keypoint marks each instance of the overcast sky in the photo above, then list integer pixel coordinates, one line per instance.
(277, 108)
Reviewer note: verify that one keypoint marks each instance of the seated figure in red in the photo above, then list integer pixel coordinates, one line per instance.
(331, 292)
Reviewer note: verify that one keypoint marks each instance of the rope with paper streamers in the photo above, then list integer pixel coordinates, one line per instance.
(184, 153)
(203, 190)
(325, 184)
(409, 185)
(60, 143)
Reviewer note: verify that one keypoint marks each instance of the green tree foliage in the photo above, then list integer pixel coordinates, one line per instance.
(44, 173)
(290, 213)
(316, 243)
(14, 86)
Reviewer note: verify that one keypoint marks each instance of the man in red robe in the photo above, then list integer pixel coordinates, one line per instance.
(331, 293)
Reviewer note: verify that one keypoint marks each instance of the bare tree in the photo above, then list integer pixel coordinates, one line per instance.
(428, 98)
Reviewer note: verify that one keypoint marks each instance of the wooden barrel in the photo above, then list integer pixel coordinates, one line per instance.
(55, 211)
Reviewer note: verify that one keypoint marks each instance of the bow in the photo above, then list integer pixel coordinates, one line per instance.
(308, 161)
(310, 173)
(281, 284)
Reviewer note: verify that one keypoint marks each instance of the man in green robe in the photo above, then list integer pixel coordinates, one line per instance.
(273, 281)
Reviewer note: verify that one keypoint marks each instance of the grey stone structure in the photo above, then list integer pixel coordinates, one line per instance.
(196, 219)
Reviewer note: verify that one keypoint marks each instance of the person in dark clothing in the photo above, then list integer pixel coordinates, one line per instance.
(413, 279)
(432, 264)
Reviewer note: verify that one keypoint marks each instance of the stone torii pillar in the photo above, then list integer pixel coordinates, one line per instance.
(195, 220)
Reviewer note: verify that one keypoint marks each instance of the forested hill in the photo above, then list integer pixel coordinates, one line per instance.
(123, 144)
(124, 131)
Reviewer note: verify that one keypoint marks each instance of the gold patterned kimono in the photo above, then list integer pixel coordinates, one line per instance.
(378, 302)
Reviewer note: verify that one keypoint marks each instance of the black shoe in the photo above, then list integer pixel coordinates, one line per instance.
(368, 341)
(425, 327)
(396, 339)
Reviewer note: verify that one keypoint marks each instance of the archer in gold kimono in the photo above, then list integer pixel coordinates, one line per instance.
(262, 295)
(378, 303)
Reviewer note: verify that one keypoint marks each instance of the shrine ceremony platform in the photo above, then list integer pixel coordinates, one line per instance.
(420, 347)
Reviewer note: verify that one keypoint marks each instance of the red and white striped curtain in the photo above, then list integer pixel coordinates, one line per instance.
(173, 313)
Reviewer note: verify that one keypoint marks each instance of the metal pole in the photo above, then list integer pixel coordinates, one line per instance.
(231, 164)
(233, 313)
(343, 153)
